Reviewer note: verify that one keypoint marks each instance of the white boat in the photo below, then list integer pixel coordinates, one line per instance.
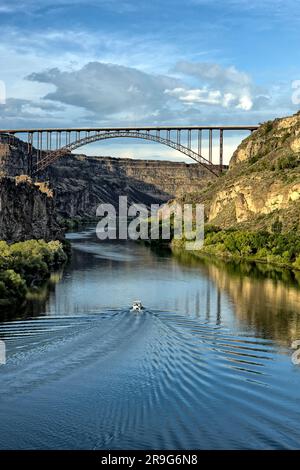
(137, 306)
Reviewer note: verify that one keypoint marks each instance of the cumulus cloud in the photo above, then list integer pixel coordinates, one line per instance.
(193, 96)
(108, 89)
(18, 112)
(120, 92)
(211, 97)
(222, 86)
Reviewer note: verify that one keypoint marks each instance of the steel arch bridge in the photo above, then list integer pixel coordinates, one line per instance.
(45, 146)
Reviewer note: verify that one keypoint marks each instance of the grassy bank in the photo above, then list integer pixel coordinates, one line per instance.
(280, 249)
(26, 265)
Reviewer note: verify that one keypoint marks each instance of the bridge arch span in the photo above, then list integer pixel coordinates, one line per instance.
(52, 156)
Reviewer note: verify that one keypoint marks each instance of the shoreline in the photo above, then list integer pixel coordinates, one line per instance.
(239, 259)
(26, 266)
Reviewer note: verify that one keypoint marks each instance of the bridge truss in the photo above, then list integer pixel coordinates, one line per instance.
(45, 146)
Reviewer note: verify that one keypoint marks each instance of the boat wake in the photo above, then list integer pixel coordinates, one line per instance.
(157, 380)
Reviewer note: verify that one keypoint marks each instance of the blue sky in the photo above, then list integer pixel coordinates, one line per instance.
(114, 62)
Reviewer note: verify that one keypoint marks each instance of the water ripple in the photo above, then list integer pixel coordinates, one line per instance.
(152, 380)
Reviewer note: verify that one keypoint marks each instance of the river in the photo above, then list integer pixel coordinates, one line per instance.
(206, 365)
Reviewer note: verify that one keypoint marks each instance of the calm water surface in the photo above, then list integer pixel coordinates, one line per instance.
(207, 365)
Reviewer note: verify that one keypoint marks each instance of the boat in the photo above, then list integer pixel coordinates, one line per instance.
(137, 306)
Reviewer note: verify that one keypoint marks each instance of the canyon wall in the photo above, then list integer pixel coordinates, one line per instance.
(13, 157)
(27, 211)
(82, 182)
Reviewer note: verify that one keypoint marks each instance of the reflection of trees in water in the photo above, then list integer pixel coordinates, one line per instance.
(36, 300)
(233, 267)
(264, 297)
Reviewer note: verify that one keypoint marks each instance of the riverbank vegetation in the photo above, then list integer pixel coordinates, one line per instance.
(26, 265)
(281, 249)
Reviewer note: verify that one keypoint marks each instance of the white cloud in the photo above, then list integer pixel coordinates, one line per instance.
(245, 103)
(193, 96)
(120, 93)
(212, 97)
(109, 90)
(227, 87)
(228, 99)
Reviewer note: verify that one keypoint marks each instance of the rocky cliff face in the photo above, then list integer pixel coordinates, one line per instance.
(273, 140)
(26, 211)
(263, 182)
(82, 182)
(13, 157)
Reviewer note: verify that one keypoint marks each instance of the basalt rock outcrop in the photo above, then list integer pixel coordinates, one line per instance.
(27, 211)
(13, 157)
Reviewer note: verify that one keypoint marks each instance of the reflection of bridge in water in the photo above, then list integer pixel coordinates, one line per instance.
(45, 146)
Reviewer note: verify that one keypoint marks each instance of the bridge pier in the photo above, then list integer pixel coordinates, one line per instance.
(221, 149)
(30, 153)
(210, 138)
(199, 141)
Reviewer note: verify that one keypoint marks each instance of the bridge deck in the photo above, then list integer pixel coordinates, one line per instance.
(142, 128)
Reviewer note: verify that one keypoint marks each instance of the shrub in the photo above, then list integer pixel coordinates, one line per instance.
(290, 161)
(25, 264)
(296, 263)
(254, 159)
(277, 226)
(12, 287)
(211, 229)
(268, 126)
(276, 247)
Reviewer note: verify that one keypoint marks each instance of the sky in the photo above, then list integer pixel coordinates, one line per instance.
(124, 62)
